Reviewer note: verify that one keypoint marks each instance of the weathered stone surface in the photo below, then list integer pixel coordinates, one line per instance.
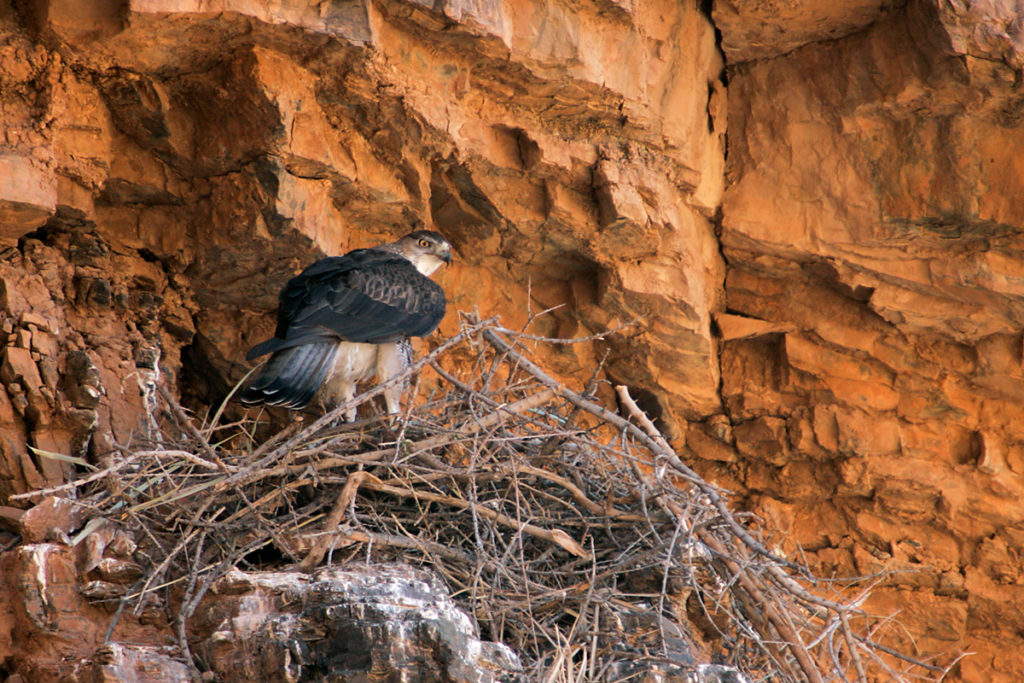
(165, 165)
(48, 518)
(28, 196)
(869, 222)
(336, 624)
(133, 663)
(758, 30)
(344, 624)
(312, 156)
(43, 606)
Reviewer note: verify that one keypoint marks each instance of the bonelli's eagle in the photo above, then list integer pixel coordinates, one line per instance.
(346, 318)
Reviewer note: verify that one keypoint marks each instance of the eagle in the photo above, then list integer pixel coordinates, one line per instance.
(347, 318)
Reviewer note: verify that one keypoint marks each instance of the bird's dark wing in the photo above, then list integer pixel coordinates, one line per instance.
(367, 295)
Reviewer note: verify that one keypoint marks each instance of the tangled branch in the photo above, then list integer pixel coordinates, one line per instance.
(573, 534)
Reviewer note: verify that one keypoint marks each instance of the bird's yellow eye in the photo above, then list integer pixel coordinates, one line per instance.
(424, 243)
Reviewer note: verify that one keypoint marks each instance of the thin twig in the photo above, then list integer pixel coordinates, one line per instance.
(538, 506)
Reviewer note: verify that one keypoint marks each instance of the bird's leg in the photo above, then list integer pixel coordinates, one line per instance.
(335, 392)
(392, 360)
(339, 394)
(393, 399)
(347, 394)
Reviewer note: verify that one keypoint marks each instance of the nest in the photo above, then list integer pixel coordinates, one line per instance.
(574, 535)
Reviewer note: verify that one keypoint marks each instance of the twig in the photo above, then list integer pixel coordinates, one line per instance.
(496, 482)
(655, 447)
(183, 420)
(469, 428)
(337, 514)
(181, 624)
(556, 536)
(567, 340)
(852, 645)
(95, 476)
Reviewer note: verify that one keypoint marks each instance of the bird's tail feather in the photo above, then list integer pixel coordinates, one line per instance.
(292, 376)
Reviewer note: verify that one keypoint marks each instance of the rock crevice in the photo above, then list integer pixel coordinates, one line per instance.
(809, 212)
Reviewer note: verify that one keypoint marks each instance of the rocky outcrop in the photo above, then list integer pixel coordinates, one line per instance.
(827, 317)
(871, 234)
(362, 623)
(335, 625)
(172, 164)
(233, 142)
(345, 625)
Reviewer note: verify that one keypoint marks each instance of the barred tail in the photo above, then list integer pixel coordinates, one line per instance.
(292, 376)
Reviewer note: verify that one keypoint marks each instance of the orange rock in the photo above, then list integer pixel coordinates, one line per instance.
(753, 30)
(48, 517)
(28, 196)
(742, 327)
(842, 292)
(18, 366)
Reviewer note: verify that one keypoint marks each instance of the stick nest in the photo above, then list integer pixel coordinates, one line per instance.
(574, 535)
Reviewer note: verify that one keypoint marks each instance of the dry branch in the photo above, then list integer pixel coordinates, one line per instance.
(572, 533)
(337, 514)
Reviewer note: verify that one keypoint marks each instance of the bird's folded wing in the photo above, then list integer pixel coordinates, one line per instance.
(373, 298)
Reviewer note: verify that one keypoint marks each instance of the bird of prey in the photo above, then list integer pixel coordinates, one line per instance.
(345, 318)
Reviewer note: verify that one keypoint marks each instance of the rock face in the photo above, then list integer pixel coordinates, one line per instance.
(353, 625)
(347, 626)
(828, 309)
(228, 143)
(869, 226)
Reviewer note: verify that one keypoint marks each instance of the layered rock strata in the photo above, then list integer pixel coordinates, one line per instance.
(827, 308)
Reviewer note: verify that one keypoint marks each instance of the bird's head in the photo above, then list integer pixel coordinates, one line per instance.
(426, 249)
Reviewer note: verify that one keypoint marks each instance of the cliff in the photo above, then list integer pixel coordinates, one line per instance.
(809, 209)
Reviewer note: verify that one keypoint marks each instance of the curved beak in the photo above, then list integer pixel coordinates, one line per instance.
(447, 257)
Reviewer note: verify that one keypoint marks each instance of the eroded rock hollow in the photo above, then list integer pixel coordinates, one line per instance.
(810, 213)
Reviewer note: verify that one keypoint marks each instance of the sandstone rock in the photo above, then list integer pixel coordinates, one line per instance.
(43, 577)
(118, 571)
(79, 21)
(127, 663)
(763, 439)
(706, 447)
(166, 165)
(45, 596)
(754, 30)
(898, 272)
(347, 20)
(10, 517)
(28, 196)
(48, 517)
(742, 327)
(18, 366)
(100, 590)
